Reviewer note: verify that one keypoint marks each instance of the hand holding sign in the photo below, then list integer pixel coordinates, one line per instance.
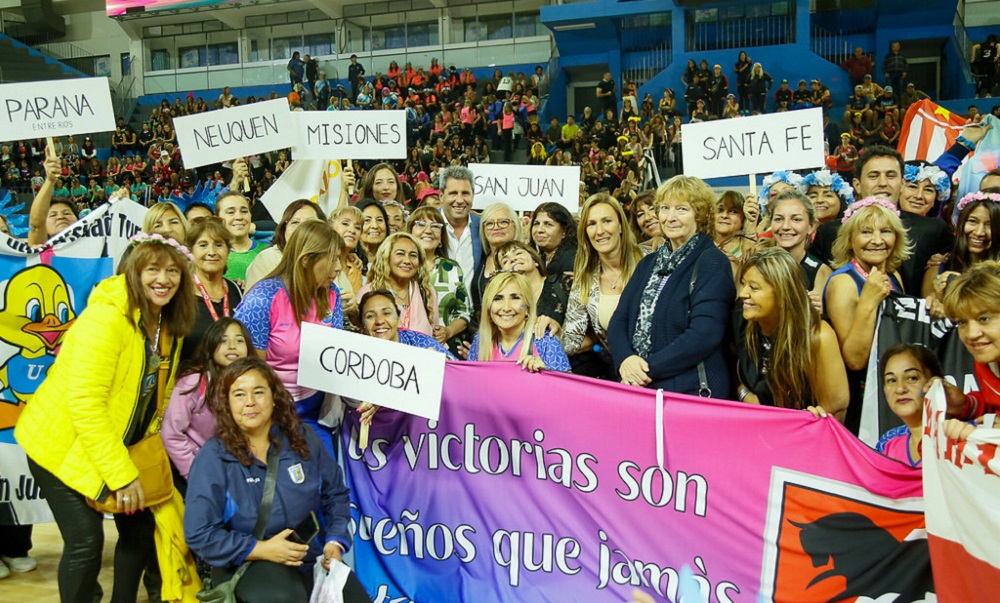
(53, 108)
(206, 138)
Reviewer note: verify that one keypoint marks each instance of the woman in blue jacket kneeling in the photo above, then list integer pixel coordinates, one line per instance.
(668, 330)
(254, 412)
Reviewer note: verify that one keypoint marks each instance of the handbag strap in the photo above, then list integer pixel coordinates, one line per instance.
(703, 389)
(264, 512)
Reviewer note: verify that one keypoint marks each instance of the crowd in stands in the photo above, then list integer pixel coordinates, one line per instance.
(671, 287)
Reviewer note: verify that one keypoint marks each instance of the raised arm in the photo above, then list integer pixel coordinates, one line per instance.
(38, 234)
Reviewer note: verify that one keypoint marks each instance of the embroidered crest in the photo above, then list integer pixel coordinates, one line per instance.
(296, 473)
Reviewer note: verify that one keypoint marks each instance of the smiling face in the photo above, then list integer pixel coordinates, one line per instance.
(349, 228)
(880, 177)
(873, 244)
(252, 403)
(210, 254)
(980, 332)
(396, 220)
(826, 202)
(429, 233)
(728, 221)
(384, 185)
(677, 220)
(917, 197)
(509, 310)
(604, 231)
(790, 225)
(758, 297)
(404, 260)
(518, 260)
(374, 229)
(903, 383)
(160, 280)
(499, 227)
(978, 231)
(645, 217)
(235, 212)
(380, 318)
(546, 232)
(457, 200)
(169, 225)
(232, 347)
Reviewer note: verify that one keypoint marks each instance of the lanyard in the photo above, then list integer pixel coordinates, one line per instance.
(864, 273)
(208, 300)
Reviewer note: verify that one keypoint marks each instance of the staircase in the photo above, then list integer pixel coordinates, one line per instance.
(20, 63)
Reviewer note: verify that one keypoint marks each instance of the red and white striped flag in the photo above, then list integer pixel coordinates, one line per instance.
(961, 489)
(928, 130)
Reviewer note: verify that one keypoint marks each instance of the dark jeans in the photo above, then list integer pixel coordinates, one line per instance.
(82, 530)
(15, 541)
(267, 582)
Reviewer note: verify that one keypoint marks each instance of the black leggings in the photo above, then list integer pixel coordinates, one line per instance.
(82, 530)
(268, 582)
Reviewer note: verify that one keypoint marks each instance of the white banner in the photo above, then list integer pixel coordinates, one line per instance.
(350, 135)
(56, 108)
(393, 375)
(760, 144)
(525, 187)
(218, 136)
(318, 181)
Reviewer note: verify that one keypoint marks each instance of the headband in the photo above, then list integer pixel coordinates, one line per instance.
(919, 173)
(159, 239)
(830, 179)
(867, 202)
(977, 196)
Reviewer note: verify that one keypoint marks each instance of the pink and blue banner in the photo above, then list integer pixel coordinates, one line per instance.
(553, 488)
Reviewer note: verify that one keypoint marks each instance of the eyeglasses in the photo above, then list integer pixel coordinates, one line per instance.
(425, 225)
(494, 224)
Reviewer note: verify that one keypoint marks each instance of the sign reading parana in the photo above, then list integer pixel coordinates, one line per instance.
(55, 108)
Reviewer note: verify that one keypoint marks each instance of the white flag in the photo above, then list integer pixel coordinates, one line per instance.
(316, 180)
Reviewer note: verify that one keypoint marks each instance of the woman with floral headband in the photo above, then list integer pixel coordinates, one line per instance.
(871, 245)
(925, 187)
(978, 227)
(829, 193)
(84, 416)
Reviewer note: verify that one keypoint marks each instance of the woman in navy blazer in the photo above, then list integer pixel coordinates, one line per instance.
(673, 313)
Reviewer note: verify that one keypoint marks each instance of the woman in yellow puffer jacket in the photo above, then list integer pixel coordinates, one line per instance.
(100, 397)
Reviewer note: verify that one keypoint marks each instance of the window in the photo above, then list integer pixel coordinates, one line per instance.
(209, 56)
(320, 44)
(422, 34)
(126, 64)
(159, 59)
(282, 48)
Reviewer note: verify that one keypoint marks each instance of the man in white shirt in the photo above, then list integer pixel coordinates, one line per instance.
(461, 225)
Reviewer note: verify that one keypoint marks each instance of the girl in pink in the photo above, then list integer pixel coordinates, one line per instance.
(188, 423)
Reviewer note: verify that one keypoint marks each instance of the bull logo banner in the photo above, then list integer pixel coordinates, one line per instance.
(42, 291)
(553, 487)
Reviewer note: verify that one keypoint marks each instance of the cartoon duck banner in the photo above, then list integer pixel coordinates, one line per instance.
(43, 291)
(553, 487)
(962, 481)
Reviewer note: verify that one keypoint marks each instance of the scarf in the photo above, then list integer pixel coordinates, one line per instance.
(666, 262)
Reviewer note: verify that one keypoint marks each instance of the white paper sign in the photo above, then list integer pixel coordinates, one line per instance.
(226, 134)
(394, 375)
(350, 135)
(525, 187)
(55, 108)
(754, 145)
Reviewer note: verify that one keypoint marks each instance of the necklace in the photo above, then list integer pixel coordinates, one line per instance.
(404, 302)
(614, 285)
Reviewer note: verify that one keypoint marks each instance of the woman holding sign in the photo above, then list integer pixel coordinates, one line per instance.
(669, 327)
(301, 289)
(380, 318)
(49, 217)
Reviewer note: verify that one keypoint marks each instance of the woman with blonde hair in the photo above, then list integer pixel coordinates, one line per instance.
(301, 289)
(506, 333)
(497, 225)
(166, 219)
(786, 355)
(348, 223)
(607, 255)
(399, 268)
(870, 246)
(669, 327)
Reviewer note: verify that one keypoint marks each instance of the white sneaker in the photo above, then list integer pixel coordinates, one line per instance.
(21, 565)
(4, 571)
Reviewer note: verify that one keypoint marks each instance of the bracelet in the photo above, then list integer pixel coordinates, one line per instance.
(965, 142)
(743, 393)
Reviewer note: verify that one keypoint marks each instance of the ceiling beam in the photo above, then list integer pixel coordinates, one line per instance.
(330, 8)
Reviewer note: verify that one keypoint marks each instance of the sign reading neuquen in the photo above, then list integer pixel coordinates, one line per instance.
(754, 145)
(524, 187)
(221, 135)
(55, 108)
(393, 375)
(350, 135)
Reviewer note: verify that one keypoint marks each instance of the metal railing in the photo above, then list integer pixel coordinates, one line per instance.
(124, 92)
(963, 41)
(652, 62)
(832, 47)
(723, 34)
